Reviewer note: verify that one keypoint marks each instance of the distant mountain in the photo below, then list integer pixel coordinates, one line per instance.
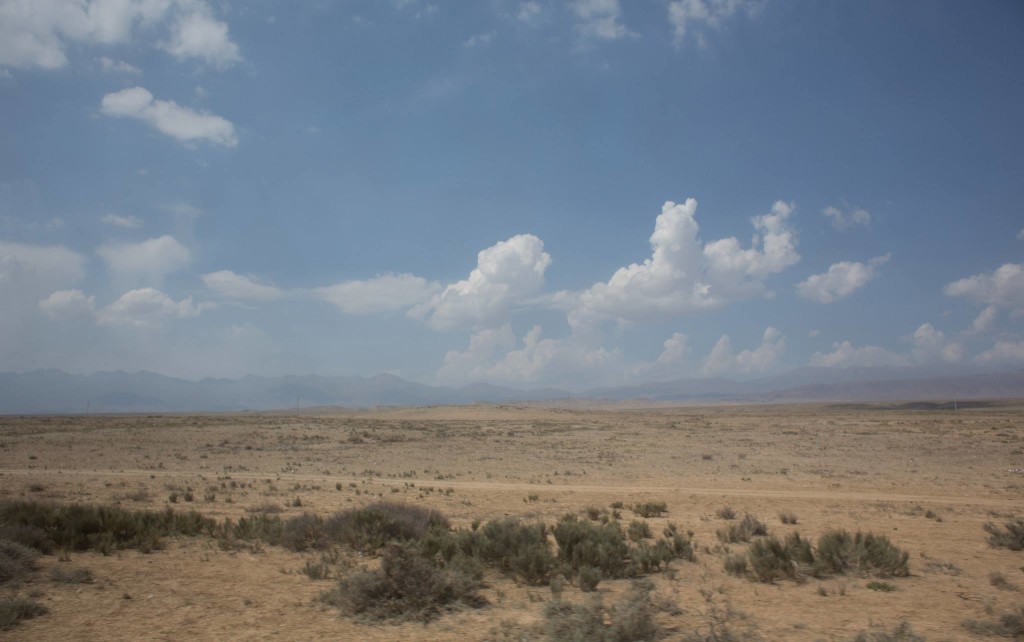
(54, 391)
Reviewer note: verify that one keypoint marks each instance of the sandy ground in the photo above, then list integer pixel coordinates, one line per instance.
(929, 479)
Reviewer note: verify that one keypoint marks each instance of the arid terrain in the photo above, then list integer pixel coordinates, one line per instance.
(927, 477)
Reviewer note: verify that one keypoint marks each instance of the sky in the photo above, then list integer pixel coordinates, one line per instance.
(528, 193)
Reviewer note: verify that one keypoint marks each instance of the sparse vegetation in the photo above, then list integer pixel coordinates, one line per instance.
(902, 632)
(1007, 625)
(837, 553)
(630, 620)
(650, 509)
(14, 610)
(1010, 535)
(742, 531)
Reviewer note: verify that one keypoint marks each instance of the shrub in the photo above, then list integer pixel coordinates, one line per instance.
(681, 545)
(71, 576)
(631, 619)
(650, 509)
(600, 546)
(1010, 536)
(371, 527)
(742, 531)
(884, 587)
(726, 512)
(770, 560)
(862, 553)
(998, 580)
(638, 530)
(1009, 625)
(902, 633)
(80, 527)
(587, 578)
(13, 610)
(787, 517)
(406, 587)
(506, 544)
(736, 564)
(15, 561)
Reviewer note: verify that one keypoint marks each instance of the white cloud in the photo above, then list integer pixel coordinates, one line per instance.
(685, 15)
(39, 33)
(985, 320)
(814, 333)
(674, 350)
(147, 308)
(197, 34)
(528, 12)
(931, 345)
(599, 19)
(765, 357)
(118, 67)
(845, 220)
(44, 266)
(68, 304)
(1020, 234)
(121, 221)
(841, 280)
(168, 117)
(682, 276)
(237, 286)
(479, 40)
(385, 293)
(149, 260)
(845, 355)
(493, 357)
(1003, 352)
(1003, 288)
(506, 274)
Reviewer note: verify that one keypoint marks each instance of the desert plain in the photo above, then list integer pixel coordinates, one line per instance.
(925, 475)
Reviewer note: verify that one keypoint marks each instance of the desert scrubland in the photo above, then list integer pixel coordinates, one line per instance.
(927, 478)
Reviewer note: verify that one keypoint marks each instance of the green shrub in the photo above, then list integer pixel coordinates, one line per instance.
(901, 633)
(1009, 625)
(16, 561)
(13, 610)
(600, 546)
(638, 530)
(506, 544)
(736, 564)
(407, 586)
(770, 560)
(883, 587)
(681, 545)
(650, 509)
(373, 526)
(80, 527)
(631, 619)
(587, 578)
(862, 553)
(742, 531)
(71, 576)
(1010, 536)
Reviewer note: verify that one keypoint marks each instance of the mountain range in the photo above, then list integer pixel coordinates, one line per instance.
(55, 391)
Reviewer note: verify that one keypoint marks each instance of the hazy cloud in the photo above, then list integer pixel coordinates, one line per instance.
(845, 355)
(237, 286)
(1003, 288)
(121, 221)
(385, 293)
(148, 260)
(147, 308)
(761, 359)
(68, 304)
(599, 19)
(844, 220)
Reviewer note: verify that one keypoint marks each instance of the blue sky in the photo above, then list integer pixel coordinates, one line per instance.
(571, 193)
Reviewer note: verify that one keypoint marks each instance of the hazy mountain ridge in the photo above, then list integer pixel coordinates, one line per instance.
(54, 391)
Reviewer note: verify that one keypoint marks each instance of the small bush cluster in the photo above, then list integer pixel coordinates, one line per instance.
(81, 527)
(902, 632)
(16, 561)
(743, 530)
(1010, 536)
(837, 552)
(13, 610)
(407, 586)
(507, 544)
(630, 620)
(650, 509)
(1009, 625)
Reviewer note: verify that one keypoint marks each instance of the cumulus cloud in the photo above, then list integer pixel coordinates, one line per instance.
(168, 117)
(149, 260)
(931, 345)
(1004, 351)
(39, 33)
(683, 276)
(237, 286)
(43, 266)
(985, 320)
(844, 220)
(147, 308)
(492, 356)
(1003, 288)
(845, 355)
(765, 357)
(841, 280)
(506, 274)
(687, 15)
(385, 293)
(68, 304)
(121, 221)
(197, 34)
(599, 19)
